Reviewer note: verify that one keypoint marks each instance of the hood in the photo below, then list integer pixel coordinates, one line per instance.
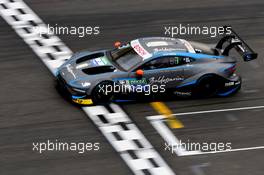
(96, 63)
(84, 66)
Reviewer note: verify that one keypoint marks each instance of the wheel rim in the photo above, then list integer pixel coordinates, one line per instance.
(100, 96)
(207, 88)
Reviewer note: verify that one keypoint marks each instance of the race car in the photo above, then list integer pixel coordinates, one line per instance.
(154, 66)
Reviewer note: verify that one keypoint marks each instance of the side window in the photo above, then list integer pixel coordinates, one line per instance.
(166, 62)
(157, 63)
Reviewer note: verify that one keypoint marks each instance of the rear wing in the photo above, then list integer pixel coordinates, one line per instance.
(233, 40)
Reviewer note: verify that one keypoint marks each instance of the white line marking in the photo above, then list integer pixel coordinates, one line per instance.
(249, 91)
(219, 110)
(53, 52)
(230, 150)
(110, 127)
(158, 123)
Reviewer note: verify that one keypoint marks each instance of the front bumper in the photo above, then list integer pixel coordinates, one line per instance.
(82, 100)
(75, 96)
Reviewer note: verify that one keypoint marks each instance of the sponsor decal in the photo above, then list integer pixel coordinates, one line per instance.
(164, 80)
(83, 101)
(140, 50)
(85, 84)
(137, 81)
(168, 49)
(131, 82)
(187, 94)
(100, 61)
(232, 83)
(229, 84)
(157, 43)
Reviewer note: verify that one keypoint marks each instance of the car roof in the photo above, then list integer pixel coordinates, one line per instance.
(150, 46)
(187, 54)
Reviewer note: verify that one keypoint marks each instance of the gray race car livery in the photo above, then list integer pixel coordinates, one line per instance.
(154, 65)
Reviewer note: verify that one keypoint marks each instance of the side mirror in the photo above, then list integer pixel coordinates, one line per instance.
(117, 44)
(139, 73)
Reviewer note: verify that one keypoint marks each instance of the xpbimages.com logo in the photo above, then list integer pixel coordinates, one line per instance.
(188, 29)
(56, 145)
(197, 146)
(79, 31)
(116, 88)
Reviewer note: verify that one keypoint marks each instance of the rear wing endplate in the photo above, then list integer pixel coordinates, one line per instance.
(233, 40)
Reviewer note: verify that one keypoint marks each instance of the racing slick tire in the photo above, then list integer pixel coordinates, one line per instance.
(62, 90)
(207, 86)
(99, 93)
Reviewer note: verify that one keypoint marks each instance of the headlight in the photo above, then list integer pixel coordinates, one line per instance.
(78, 90)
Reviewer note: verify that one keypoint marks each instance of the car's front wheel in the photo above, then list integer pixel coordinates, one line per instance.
(103, 92)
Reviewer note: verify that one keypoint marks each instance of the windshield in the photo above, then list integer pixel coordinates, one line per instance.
(126, 57)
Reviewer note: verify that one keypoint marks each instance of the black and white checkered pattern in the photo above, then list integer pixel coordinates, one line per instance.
(52, 51)
(116, 126)
(128, 140)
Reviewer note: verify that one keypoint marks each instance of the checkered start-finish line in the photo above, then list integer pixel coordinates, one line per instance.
(112, 121)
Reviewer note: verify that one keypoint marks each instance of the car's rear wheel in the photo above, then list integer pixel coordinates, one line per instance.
(207, 86)
(103, 92)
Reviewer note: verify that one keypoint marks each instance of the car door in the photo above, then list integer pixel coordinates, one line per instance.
(189, 69)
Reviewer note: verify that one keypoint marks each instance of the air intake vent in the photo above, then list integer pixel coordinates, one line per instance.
(98, 70)
(88, 57)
